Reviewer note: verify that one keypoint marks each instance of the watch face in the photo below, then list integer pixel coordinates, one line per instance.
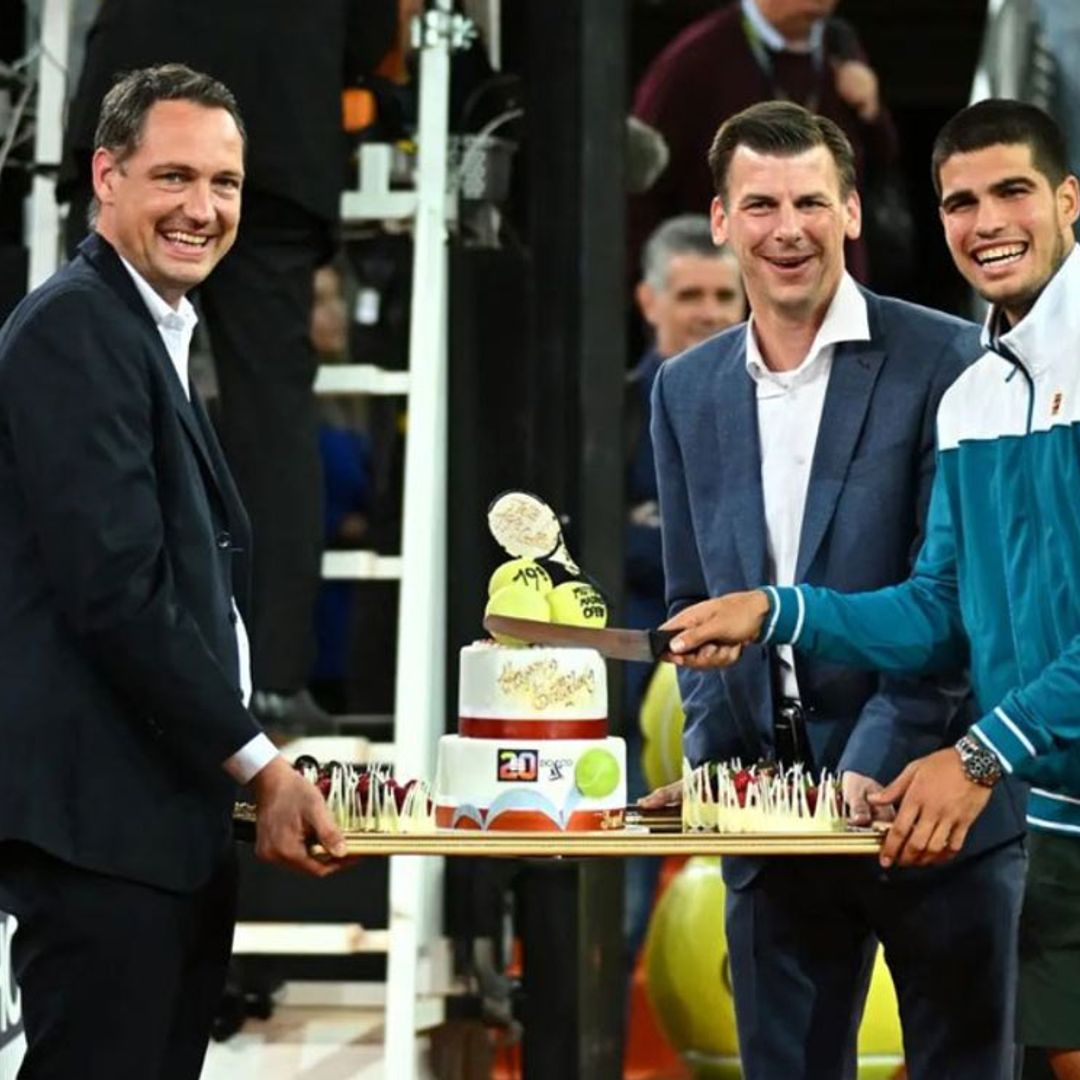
(980, 765)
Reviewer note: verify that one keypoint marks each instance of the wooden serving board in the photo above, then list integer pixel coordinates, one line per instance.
(619, 843)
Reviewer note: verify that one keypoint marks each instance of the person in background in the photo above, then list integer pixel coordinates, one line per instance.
(345, 450)
(800, 448)
(287, 64)
(748, 51)
(689, 290)
(123, 605)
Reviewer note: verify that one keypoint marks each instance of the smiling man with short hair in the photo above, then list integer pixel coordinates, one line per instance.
(124, 674)
(799, 448)
(995, 585)
(170, 201)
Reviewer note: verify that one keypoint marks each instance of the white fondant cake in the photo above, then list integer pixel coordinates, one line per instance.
(532, 750)
(532, 685)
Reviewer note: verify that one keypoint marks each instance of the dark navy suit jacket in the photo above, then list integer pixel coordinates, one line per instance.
(865, 509)
(122, 544)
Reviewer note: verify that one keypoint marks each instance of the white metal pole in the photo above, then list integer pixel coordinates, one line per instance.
(421, 678)
(43, 222)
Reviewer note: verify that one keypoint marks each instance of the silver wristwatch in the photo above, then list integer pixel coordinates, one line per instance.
(981, 766)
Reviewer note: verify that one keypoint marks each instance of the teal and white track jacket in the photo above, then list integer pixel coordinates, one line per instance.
(997, 582)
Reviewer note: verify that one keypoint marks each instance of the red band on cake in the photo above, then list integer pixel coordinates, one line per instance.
(476, 727)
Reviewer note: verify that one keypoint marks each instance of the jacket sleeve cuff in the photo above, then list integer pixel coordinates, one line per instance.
(1000, 734)
(787, 612)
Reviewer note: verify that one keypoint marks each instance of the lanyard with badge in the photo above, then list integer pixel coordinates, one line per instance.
(763, 57)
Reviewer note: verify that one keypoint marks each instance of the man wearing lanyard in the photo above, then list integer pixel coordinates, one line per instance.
(799, 447)
(755, 50)
(124, 676)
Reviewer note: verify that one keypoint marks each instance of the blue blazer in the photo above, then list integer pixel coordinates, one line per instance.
(865, 510)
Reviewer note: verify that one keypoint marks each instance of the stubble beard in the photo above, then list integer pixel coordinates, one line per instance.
(1016, 307)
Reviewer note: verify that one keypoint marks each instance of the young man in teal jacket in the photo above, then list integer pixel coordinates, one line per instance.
(996, 583)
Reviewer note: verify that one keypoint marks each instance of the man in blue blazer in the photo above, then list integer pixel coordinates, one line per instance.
(799, 448)
(124, 554)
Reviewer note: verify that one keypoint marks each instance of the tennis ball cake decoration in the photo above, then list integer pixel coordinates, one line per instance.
(597, 773)
(520, 601)
(578, 603)
(526, 527)
(524, 572)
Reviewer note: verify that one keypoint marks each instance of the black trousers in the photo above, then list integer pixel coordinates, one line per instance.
(257, 306)
(801, 939)
(119, 980)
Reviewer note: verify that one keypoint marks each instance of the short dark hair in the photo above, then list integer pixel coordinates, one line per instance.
(1003, 122)
(782, 128)
(124, 109)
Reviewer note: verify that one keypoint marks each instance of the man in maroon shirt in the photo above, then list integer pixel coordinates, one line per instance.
(749, 51)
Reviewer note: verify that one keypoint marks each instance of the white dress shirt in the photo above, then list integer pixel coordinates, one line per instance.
(789, 407)
(176, 327)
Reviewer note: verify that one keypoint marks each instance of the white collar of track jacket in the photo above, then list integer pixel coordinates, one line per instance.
(1036, 340)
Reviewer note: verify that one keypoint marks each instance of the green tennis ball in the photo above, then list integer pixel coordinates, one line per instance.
(521, 602)
(577, 603)
(520, 572)
(596, 773)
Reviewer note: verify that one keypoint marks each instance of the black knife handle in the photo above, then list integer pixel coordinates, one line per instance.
(659, 640)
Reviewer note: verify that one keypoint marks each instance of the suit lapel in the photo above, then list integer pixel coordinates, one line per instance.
(105, 260)
(201, 435)
(740, 462)
(216, 458)
(851, 384)
(216, 478)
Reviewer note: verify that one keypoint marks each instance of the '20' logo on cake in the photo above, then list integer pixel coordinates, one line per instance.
(519, 765)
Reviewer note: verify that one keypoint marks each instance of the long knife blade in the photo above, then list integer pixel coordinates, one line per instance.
(643, 645)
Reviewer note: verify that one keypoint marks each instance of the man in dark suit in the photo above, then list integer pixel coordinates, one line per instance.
(799, 448)
(287, 64)
(125, 553)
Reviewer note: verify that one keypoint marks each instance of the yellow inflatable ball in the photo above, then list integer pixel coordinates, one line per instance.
(520, 602)
(689, 983)
(686, 971)
(661, 721)
(881, 1053)
(577, 603)
(520, 572)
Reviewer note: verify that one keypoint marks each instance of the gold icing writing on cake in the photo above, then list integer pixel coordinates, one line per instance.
(544, 685)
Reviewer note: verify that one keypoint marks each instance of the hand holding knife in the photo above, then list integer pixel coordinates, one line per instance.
(705, 635)
(642, 645)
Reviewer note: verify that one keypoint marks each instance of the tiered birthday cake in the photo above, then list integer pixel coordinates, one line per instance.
(532, 750)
